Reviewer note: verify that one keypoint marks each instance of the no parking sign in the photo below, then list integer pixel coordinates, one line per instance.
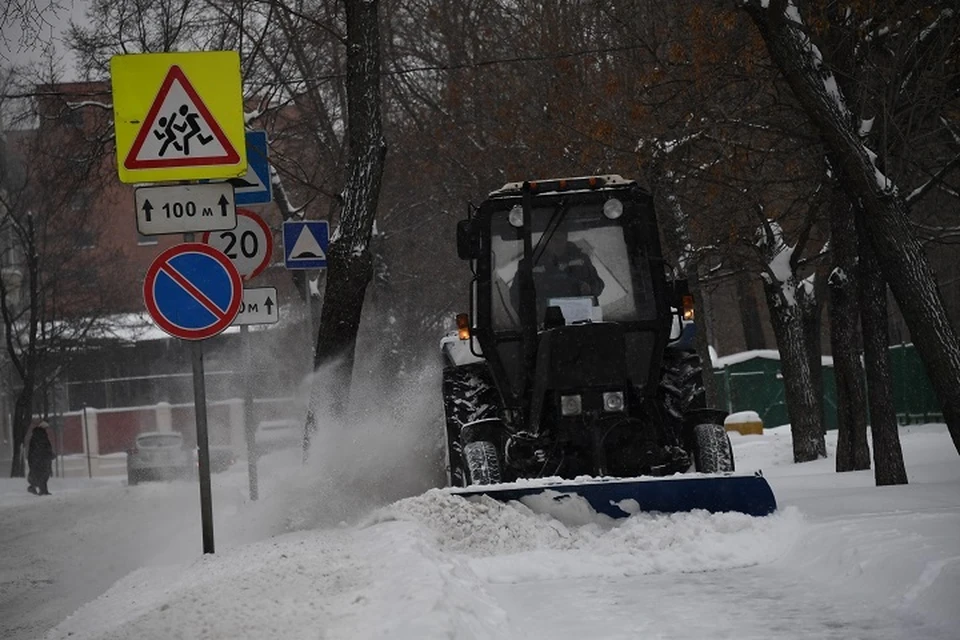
(192, 291)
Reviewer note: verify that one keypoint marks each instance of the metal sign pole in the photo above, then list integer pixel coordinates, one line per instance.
(309, 313)
(250, 427)
(203, 445)
(86, 442)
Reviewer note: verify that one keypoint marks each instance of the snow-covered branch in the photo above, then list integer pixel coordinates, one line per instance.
(923, 40)
(803, 63)
(935, 181)
(664, 146)
(106, 106)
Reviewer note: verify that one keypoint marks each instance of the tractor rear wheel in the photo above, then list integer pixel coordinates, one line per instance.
(481, 463)
(713, 452)
(681, 383)
(468, 396)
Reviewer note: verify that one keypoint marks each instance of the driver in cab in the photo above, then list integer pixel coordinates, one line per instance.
(563, 270)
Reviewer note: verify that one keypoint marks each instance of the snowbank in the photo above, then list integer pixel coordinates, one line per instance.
(842, 558)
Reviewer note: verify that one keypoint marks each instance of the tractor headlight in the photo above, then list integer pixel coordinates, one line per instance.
(613, 401)
(516, 216)
(613, 208)
(571, 405)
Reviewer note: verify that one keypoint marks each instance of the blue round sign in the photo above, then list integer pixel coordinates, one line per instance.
(192, 291)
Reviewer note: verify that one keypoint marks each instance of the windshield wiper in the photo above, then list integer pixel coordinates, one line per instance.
(551, 228)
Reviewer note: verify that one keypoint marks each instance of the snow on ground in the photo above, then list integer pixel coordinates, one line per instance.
(840, 559)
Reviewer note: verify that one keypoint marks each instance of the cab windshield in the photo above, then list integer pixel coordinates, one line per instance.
(581, 267)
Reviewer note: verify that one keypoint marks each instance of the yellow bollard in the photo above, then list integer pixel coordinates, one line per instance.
(746, 423)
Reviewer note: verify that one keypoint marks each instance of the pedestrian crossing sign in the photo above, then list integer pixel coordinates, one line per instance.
(178, 116)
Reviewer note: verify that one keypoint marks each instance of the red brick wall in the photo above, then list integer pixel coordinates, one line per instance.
(117, 429)
(72, 434)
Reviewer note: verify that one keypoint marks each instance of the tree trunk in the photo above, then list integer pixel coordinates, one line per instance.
(22, 414)
(853, 452)
(21, 422)
(349, 261)
(887, 455)
(749, 313)
(805, 425)
(897, 250)
(27, 361)
(810, 312)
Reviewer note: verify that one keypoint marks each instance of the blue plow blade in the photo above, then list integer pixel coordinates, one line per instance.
(620, 498)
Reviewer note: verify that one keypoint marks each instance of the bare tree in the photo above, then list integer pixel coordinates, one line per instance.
(24, 24)
(744, 155)
(792, 300)
(930, 42)
(845, 286)
(887, 454)
(349, 258)
(64, 284)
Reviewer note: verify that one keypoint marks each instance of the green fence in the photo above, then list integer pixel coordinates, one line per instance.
(913, 395)
(751, 381)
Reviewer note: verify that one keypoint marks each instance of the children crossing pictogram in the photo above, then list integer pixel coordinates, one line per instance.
(179, 130)
(168, 131)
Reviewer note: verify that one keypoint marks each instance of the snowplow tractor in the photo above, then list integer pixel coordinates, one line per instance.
(573, 373)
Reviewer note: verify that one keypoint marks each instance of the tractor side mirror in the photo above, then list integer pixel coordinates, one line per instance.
(468, 239)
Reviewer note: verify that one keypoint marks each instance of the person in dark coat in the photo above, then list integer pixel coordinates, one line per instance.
(562, 270)
(40, 458)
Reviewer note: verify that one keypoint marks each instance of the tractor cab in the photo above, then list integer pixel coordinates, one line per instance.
(574, 261)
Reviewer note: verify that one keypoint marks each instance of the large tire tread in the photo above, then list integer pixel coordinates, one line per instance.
(481, 463)
(681, 383)
(469, 395)
(713, 453)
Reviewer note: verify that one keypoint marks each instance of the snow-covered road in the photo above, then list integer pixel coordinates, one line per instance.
(841, 559)
(756, 603)
(775, 600)
(62, 552)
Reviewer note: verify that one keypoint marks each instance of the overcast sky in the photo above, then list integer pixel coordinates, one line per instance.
(25, 42)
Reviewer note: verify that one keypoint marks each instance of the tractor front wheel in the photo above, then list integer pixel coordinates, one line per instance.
(713, 452)
(481, 463)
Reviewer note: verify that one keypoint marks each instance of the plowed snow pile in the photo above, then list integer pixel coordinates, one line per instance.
(420, 568)
(511, 543)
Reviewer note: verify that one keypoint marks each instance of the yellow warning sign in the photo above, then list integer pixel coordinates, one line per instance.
(178, 116)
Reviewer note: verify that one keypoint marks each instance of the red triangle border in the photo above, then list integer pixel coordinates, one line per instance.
(132, 163)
